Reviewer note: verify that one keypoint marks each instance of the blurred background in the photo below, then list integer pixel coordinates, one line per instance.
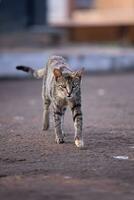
(96, 34)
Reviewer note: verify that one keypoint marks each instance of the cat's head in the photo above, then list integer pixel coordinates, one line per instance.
(67, 84)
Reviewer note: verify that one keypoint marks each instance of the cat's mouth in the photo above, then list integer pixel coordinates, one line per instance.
(69, 96)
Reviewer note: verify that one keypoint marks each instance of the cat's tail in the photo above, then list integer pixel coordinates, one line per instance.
(35, 73)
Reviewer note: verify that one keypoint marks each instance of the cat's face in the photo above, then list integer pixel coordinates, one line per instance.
(68, 84)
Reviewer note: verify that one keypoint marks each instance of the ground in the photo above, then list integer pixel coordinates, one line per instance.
(33, 167)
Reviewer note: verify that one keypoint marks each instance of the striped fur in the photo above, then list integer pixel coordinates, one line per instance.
(61, 88)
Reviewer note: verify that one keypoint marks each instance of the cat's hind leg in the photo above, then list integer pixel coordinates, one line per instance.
(46, 104)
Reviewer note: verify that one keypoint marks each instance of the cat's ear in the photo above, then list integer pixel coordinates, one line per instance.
(57, 73)
(79, 73)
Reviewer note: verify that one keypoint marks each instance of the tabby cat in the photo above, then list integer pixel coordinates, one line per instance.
(61, 87)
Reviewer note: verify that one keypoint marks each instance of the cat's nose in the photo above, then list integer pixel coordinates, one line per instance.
(69, 94)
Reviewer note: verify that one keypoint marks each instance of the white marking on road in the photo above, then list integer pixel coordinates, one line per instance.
(121, 157)
(132, 147)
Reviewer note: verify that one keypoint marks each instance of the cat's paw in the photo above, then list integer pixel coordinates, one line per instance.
(79, 143)
(59, 140)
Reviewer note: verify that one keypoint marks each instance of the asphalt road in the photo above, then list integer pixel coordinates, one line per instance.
(33, 167)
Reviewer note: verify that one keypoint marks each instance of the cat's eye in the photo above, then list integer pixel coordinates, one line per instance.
(62, 86)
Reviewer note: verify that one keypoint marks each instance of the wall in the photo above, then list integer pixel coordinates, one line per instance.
(114, 4)
(113, 12)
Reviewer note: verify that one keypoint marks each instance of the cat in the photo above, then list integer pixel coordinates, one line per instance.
(61, 88)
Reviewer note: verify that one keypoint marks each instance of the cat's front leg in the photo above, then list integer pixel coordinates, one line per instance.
(58, 115)
(77, 119)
